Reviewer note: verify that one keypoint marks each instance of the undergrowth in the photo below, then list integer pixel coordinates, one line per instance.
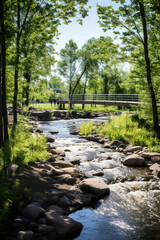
(86, 128)
(22, 148)
(125, 129)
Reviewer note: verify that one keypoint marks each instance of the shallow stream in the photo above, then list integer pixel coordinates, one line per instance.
(132, 210)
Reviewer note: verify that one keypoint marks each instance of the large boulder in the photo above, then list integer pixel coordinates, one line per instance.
(33, 212)
(133, 160)
(42, 115)
(64, 226)
(95, 185)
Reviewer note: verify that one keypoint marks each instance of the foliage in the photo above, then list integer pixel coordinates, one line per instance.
(23, 147)
(123, 128)
(86, 128)
(13, 198)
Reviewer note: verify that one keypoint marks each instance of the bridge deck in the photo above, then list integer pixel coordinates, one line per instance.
(102, 102)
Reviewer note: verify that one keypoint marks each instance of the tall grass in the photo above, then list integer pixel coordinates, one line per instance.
(123, 128)
(86, 128)
(23, 147)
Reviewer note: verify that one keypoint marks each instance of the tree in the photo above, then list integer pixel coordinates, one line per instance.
(67, 66)
(133, 20)
(3, 104)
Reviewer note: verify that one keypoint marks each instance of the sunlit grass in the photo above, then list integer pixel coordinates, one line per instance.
(123, 128)
(86, 128)
(77, 107)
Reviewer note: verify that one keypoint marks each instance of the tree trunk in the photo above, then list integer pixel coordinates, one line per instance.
(3, 76)
(27, 76)
(84, 90)
(148, 68)
(1, 122)
(16, 65)
(105, 84)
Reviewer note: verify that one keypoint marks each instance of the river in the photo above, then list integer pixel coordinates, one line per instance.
(132, 210)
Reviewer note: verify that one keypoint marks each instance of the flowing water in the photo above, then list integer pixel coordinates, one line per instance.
(132, 210)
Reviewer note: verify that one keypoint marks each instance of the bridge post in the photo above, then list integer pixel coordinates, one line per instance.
(63, 106)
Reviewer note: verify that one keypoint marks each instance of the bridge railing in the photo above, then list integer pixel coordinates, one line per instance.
(101, 97)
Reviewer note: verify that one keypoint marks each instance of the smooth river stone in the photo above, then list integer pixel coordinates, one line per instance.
(133, 160)
(95, 185)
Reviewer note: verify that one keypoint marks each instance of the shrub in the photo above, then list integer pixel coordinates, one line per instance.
(86, 128)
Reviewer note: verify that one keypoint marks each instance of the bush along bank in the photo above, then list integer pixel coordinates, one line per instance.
(140, 146)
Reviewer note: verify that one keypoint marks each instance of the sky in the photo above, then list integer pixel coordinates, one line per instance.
(81, 33)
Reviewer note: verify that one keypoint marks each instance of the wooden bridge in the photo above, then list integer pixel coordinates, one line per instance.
(122, 100)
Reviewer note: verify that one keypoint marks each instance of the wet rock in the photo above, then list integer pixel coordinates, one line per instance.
(50, 139)
(51, 200)
(56, 209)
(49, 146)
(51, 159)
(62, 164)
(116, 143)
(67, 150)
(78, 198)
(133, 149)
(45, 229)
(93, 138)
(33, 226)
(100, 173)
(155, 159)
(71, 170)
(106, 145)
(64, 226)
(25, 235)
(122, 146)
(42, 115)
(47, 166)
(66, 178)
(64, 201)
(54, 132)
(45, 172)
(33, 212)
(56, 171)
(133, 160)
(39, 130)
(75, 161)
(22, 220)
(41, 221)
(155, 168)
(151, 156)
(95, 185)
(57, 151)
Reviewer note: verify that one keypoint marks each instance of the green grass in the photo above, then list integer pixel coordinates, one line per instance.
(77, 107)
(22, 148)
(123, 128)
(86, 128)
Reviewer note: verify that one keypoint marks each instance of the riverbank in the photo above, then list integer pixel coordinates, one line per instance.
(67, 192)
(57, 189)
